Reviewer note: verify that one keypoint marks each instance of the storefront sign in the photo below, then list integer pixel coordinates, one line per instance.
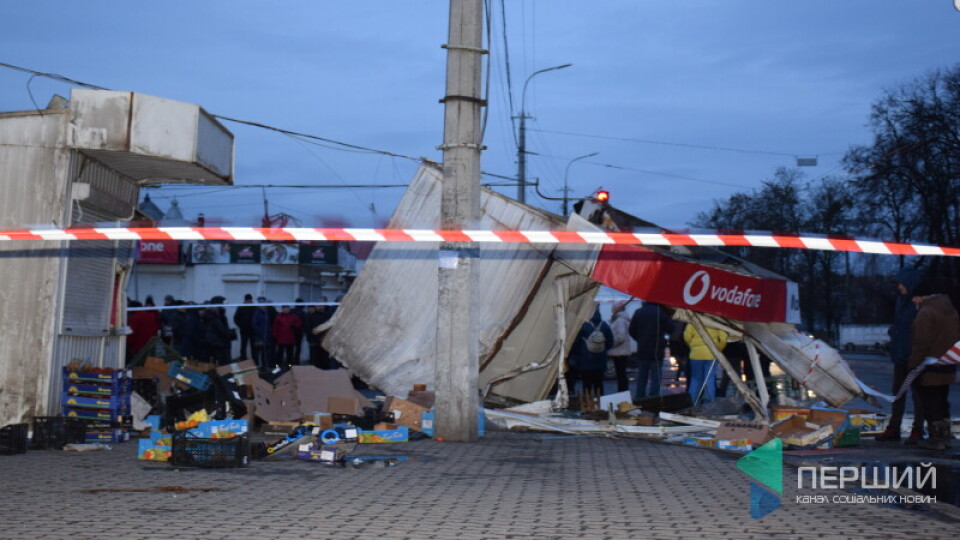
(673, 282)
(158, 252)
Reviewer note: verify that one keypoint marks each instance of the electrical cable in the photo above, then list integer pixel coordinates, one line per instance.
(665, 143)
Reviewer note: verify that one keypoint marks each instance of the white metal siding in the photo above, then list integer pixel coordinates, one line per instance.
(32, 163)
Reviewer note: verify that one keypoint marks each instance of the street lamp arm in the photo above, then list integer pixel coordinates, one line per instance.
(523, 95)
(566, 189)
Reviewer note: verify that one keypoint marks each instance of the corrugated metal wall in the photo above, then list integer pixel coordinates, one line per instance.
(32, 164)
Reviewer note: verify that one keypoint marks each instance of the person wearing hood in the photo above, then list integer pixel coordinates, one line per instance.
(650, 326)
(905, 311)
(620, 352)
(589, 353)
(936, 329)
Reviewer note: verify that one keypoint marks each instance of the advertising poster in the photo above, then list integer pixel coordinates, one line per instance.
(319, 253)
(208, 252)
(279, 253)
(245, 253)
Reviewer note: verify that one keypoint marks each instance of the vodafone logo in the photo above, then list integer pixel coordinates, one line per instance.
(703, 278)
(698, 286)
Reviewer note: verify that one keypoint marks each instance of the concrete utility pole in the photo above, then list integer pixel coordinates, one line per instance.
(522, 136)
(457, 362)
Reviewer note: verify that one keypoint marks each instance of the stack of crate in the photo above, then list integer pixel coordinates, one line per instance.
(101, 396)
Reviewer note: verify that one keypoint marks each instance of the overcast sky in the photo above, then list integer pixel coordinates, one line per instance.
(778, 79)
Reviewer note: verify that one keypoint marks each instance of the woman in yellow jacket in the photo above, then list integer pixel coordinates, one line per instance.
(703, 371)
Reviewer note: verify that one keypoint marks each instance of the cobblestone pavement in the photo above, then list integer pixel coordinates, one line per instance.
(509, 485)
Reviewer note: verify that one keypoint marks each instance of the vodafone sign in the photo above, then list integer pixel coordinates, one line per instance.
(707, 289)
(158, 252)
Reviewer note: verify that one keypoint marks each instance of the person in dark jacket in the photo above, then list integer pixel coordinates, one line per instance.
(312, 319)
(243, 319)
(214, 334)
(591, 365)
(186, 331)
(650, 326)
(298, 345)
(908, 279)
(936, 329)
(262, 337)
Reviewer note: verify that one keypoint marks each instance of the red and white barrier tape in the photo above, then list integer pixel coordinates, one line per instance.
(651, 238)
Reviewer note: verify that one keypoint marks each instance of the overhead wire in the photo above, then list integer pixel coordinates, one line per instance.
(667, 143)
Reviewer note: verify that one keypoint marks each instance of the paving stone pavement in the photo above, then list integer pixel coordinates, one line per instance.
(508, 485)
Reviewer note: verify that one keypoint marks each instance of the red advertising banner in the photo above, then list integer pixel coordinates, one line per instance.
(673, 282)
(158, 252)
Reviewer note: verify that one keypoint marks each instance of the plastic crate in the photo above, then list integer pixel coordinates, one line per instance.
(106, 437)
(106, 377)
(113, 403)
(187, 376)
(53, 432)
(13, 439)
(112, 388)
(190, 451)
(100, 415)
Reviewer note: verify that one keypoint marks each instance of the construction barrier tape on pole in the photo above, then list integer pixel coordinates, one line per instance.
(646, 238)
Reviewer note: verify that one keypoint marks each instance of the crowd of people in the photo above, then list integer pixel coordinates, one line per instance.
(925, 326)
(273, 339)
(644, 341)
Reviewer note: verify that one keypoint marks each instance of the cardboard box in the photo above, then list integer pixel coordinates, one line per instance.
(314, 387)
(341, 405)
(323, 420)
(156, 368)
(400, 434)
(756, 432)
(702, 442)
(221, 429)
(868, 422)
(279, 428)
(202, 367)
(276, 403)
(405, 413)
(739, 445)
(424, 398)
(779, 412)
(147, 450)
(794, 431)
(246, 366)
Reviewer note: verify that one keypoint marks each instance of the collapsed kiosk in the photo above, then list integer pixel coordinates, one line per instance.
(533, 299)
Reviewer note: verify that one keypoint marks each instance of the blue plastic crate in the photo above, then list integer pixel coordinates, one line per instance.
(112, 388)
(188, 376)
(103, 415)
(110, 377)
(106, 437)
(114, 403)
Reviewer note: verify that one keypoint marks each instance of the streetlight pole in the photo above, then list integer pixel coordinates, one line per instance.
(522, 138)
(566, 172)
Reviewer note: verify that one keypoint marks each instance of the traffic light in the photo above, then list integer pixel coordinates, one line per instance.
(602, 196)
